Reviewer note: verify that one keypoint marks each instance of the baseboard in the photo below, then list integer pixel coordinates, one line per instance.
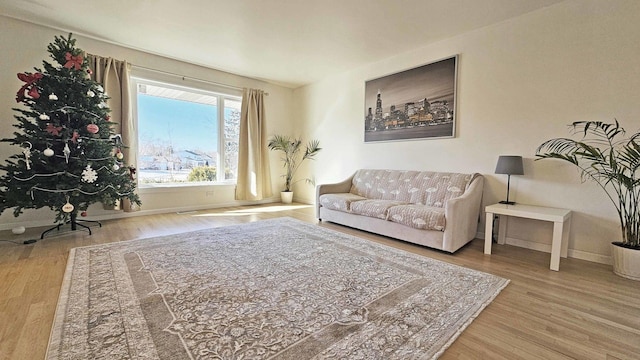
(185, 209)
(528, 244)
(576, 254)
(122, 214)
(303, 200)
(597, 258)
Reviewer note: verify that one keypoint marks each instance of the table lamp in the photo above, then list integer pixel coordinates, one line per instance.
(510, 165)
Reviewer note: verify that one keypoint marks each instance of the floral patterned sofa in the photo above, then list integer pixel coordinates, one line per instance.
(435, 209)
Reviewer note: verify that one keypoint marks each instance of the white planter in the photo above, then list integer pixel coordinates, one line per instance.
(286, 197)
(626, 262)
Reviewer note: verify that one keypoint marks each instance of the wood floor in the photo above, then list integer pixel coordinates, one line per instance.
(582, 312)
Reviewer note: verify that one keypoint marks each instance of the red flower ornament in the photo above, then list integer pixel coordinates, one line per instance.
(30, 80)
(53, 130)
(73, 61)
(132, 172)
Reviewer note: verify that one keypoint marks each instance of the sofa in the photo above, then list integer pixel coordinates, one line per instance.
(436, 209)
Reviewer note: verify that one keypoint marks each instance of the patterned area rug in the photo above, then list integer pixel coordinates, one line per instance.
(273, 289)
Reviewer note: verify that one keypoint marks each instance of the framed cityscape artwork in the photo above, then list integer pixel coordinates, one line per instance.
(418, 103)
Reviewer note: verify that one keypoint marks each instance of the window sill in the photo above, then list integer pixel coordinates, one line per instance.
(163, 188)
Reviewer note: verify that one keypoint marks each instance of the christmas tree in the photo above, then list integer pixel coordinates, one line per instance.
(70, 155)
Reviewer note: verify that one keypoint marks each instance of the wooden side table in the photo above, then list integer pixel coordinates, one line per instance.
(561, 219)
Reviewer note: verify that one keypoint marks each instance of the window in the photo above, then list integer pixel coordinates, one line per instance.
(186, 136)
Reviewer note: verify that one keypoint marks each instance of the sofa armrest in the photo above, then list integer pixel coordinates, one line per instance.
(341, 187)
(462, 214)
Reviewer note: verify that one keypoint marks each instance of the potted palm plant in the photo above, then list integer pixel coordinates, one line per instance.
(611, 159)
(291, 148)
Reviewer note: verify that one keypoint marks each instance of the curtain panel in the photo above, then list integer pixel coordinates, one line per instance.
(113, 75)
(254, 175)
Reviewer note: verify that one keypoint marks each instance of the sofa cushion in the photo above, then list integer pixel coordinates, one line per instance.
(339, 201)
(374, 208)
(418, 216)
(435, 188)
(375, 184)
(415, 187)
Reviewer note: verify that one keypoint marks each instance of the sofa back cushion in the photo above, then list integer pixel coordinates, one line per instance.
(415, 187)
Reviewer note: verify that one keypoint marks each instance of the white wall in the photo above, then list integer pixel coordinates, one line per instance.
(520, 83)
(23, 46)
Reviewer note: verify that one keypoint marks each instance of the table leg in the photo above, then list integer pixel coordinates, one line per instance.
(502, 229)
(488, 233)
(565, 237)
(556, 245)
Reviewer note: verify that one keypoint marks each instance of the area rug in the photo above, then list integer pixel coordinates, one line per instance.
(273, 289)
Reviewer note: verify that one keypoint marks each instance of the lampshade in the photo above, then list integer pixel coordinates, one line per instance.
(510, 165)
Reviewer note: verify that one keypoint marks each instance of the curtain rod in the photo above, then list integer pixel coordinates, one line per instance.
(190, 78)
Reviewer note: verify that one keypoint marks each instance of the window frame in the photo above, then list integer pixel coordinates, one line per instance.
(196, 86)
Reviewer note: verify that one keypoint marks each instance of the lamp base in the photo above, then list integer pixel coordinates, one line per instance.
(507, 202)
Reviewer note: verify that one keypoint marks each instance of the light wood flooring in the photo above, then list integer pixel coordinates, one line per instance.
(582, 312)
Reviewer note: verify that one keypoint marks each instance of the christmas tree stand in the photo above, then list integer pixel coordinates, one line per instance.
(74, 222)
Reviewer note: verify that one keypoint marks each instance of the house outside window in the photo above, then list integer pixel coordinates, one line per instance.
(186, 135)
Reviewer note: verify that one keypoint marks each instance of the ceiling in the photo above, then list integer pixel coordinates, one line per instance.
(287, 42)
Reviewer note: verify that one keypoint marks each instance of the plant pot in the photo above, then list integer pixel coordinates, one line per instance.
(626, 262)
(286, 197)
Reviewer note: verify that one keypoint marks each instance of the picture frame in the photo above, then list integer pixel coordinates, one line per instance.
(414, 104)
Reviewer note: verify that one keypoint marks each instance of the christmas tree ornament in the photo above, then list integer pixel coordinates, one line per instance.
(48, 152)
(93, 128)
(66, 151)
(91, 93)
(27, 155)
(30, 80)
(116, 167)
(67, 207)
(44, 117)
(83, 214)
(53, 130)
(74, 137)
(132, 173)
(119, 155)
(53, 97)
(89, 175)
(73, 61)
(34, 93)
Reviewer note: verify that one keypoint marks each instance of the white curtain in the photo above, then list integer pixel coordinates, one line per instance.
(114, 77)
(254, 176)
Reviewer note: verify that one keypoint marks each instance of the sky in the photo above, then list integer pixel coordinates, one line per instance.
(161, 118)
(434, 81)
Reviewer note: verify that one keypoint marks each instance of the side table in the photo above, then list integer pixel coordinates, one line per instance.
(561, 219)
